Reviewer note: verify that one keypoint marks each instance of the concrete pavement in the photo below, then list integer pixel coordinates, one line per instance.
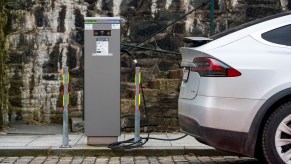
(46, 145)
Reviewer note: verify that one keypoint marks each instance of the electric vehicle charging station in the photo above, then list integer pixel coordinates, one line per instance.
(102, 79)
(102, 85)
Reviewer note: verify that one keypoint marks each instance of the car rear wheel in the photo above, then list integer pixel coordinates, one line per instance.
(276, 138)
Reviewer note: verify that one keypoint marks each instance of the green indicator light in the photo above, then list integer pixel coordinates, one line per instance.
(90, 21)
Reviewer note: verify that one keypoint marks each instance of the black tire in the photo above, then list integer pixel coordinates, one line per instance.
(268, 137)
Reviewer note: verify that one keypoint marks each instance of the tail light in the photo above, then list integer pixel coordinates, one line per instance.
(210, 67)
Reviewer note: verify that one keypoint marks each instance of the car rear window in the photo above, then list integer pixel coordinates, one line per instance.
(248, 24)
(281, 35)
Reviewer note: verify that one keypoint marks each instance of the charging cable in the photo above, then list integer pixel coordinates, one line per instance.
(130, 143)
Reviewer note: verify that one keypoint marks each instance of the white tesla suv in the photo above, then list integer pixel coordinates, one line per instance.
(236, 90)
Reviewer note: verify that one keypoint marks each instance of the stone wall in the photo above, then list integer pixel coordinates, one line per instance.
(46, 35)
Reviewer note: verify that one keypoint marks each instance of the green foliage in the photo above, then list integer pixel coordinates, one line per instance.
(3, 66)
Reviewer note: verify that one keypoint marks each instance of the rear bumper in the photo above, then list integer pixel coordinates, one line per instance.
(221, 139)
(231, 114)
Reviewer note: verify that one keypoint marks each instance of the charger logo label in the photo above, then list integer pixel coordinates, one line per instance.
(102, 47)
(115, 26)
(88, 26)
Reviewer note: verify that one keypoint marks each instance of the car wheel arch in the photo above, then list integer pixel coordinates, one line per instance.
(251, 147)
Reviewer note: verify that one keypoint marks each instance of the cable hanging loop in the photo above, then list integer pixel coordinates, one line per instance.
(140, 141)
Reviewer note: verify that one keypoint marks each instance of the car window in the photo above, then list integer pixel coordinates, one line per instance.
(281, 35)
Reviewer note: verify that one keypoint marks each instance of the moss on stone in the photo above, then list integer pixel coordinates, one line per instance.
(56, 118)
(3, 66)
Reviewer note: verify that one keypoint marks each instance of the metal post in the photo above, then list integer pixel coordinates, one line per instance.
(65, 104)
(211, 17)
(137, 105)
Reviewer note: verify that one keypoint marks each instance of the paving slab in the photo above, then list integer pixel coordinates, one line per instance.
(35, 129)
(35, 145)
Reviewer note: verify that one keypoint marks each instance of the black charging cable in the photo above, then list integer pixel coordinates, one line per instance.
(130, 143)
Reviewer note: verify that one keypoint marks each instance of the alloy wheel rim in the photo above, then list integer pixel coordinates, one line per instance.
(283, 139)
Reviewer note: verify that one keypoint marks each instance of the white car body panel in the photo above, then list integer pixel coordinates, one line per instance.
(260, 73)
(265, 70)
(220, 113)
(190, 91)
